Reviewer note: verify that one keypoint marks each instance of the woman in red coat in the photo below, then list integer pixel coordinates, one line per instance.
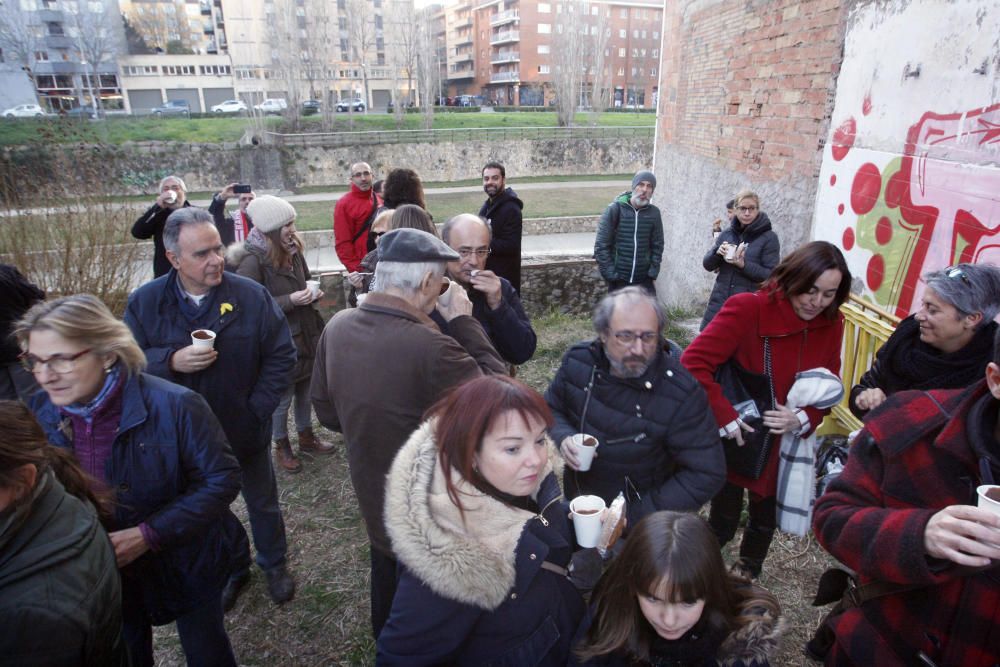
(798, 311)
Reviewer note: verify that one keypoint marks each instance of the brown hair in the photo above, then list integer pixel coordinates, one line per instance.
(403, 186)
(410, 216)
(276, 252)
(467, 412)
(675, 556)
(798, 272)
(22, 441)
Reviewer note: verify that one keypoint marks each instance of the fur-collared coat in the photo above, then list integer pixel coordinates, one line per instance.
(475, 591)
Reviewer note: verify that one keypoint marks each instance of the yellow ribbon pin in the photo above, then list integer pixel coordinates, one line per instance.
(225, 308)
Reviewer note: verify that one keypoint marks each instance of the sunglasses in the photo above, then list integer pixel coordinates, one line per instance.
(956, 272)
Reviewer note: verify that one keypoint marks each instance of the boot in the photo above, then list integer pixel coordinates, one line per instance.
(754, 547)
(284, 456)
(280, 585)
(308, 442)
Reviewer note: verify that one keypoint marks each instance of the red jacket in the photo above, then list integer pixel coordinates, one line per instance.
(737, 332)
(914, 457)
(349, 216)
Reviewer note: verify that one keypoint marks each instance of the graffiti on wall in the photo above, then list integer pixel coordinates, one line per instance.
(901, 216)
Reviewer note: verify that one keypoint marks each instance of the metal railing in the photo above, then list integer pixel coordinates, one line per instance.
(501, 77)
(504, 17)
(866, 328)
(374, 137)
(505, 36)
(505, 57)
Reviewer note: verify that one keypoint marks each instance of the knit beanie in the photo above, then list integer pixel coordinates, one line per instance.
(269, 213)
(641, 176)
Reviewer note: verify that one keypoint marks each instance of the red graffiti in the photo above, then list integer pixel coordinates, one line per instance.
(833, 179)
(848, 241)
(866, 106)
(866, 188)
(843, 139)
(876, 272)
(840, 209)
(883, 231)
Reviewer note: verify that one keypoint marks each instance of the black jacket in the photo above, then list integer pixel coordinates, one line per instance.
(763, 252)
(657, 430)
(17, 295)
(150, 226)
(503, 213)
(507, 327)
(223, 221)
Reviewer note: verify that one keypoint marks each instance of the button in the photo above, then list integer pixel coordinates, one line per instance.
(513, 596)
(670, 374)
(123, 486)
(649, 385)
(532, 556)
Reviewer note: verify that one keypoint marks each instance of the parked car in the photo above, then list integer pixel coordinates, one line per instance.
(358, 104)
(391, 107)
(469, 101)
(311, 107)
(173, 108)
(86, 111)
(272, 105)
(24, 111)
(230, 106)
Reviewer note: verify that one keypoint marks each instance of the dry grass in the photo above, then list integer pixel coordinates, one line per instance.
(327, 623)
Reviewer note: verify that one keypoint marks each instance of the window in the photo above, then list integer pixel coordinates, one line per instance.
(544, 8)
(622, 33)
(559, 28)
(643, 33)
(42, 56)
(543, 69)
(559, 8)
(543, 48)
(595, 10)
(656, 34)
(621, 53)
(652, 71)
(642, 53)
(635, 34)
(635, 53)
(624, 13)
(544, 28)
(593, 30)
(621, 71)
(656, 53)
(633, 71)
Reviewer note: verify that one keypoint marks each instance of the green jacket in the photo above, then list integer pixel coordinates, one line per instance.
(629, 242)
(60, 596)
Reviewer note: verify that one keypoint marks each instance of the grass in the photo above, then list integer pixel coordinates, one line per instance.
(467, 182)
(328, 622)
(118, 130)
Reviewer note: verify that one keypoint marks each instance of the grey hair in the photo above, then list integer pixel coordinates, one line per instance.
(179, 180)
(463, 217)
(628, 296)
(974, 288)
(404, 276)
(182, 217)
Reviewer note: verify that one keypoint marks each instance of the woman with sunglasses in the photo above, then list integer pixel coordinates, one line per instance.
(159, 450)
(744, 254)
(944, 345)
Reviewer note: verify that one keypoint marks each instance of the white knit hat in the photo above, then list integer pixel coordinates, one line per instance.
(268, 213)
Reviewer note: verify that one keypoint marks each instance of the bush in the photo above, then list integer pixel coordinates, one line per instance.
(508, 109)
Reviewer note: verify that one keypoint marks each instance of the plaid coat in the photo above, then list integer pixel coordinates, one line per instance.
(916, 455)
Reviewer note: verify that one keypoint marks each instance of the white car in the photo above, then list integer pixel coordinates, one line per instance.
(273, 105)
(230, 106)
(24, 111)
(357, 104)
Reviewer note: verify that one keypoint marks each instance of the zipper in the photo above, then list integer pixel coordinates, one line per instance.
(637, 437)
(545, 522)
(635, 244)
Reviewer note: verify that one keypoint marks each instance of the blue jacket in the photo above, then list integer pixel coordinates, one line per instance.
(171, 468)
(256, 353)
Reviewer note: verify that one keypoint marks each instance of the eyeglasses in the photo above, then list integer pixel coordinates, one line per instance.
(465, 253)
(359, 174)
(628, 337)
(956, 272)
(57, 363)
(746, 209)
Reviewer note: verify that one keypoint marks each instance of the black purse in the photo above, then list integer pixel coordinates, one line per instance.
(751, 394)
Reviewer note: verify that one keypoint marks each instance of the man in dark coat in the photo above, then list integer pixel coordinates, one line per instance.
(173, 196)
(495, 303)
(657, 437)
(502, 212)
(381, 365)
(903, 513)
(242, 377)
(17, 295)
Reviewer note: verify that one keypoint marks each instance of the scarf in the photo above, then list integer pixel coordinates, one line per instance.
(86, 411)
(911, 363)
(256, 239)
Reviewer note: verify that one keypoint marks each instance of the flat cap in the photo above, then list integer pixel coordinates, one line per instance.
(413, 245)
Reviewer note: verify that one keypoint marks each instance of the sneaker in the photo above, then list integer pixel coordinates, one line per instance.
(235, 586)
(280, 585)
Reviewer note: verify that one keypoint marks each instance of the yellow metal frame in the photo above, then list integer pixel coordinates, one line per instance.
(866, 328)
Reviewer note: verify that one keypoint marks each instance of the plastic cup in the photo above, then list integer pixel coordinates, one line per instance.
(313, 286)
(989, 497)
(586, 512)
(170, 197)
(586, 447)
(731, 252)
(203, 338)
(444, 298)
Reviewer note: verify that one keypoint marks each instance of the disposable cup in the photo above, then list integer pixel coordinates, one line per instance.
(170, 197)
(313, 286)
(586, 447)
(731, 252)
(989, 497)
(203, 338)
(586, 512)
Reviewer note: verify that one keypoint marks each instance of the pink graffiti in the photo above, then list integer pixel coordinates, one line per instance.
(843, 139)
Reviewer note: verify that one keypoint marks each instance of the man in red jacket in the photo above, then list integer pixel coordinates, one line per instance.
(352, 216)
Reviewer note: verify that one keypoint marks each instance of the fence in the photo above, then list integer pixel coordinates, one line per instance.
(866, 328)
(373, 137)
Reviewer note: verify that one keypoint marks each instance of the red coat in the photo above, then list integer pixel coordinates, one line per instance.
(914, 457)
(738, 332)
(349, 216)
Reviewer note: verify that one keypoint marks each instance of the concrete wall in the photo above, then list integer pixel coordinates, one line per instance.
(746, 97)
(910, 181)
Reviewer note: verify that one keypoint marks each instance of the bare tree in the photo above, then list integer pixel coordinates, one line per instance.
(361, 32)
(18, 36)
(402, 45)
(599, 74)
(161, 28)
(98, 36)
(428, 68)
(569, 49)
(321, 27)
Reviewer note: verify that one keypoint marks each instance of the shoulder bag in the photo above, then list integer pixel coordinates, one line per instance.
(751, 394)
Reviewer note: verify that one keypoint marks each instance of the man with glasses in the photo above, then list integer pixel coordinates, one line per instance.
(657, 438)
(353, 216)
(236, 226)
(495, 303)
(502, 212)
(629, 242)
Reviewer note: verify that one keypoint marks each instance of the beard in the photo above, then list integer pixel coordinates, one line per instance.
(638, 201)
(491, 190)
(622, 368)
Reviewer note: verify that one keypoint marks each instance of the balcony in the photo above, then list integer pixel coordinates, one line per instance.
(500, 18)
(461, 58)
(467, 73)
(50, 15)
(464, 22)
(505, 57)
(505, 37)
(505, 77)
(209, 29)
(58, 42)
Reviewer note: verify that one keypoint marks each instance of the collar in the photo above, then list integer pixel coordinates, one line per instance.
(379, 302)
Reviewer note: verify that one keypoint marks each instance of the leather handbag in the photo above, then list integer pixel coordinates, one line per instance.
(750, 394)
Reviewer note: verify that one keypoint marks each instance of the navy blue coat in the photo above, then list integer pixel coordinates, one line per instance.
(256, 353)
(170, 467)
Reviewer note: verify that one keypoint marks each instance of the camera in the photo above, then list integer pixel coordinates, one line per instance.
(242, 189)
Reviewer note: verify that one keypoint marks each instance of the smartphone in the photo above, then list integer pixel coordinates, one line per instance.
(242, 189)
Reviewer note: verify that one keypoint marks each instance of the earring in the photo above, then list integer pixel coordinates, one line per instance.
(107, 370)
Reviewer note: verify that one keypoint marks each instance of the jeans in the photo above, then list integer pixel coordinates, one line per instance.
(202, 632)
(303, 410)
(260, 491)
(384, 578)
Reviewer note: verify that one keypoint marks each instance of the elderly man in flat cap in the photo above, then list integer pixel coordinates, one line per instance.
(381, 365)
